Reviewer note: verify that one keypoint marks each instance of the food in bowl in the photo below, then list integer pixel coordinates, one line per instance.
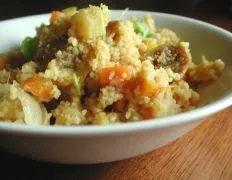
(85, 69)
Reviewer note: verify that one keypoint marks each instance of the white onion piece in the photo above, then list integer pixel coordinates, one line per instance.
(34, 112)
(45, 116)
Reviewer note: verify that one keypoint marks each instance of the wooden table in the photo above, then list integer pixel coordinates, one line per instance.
(202, 154)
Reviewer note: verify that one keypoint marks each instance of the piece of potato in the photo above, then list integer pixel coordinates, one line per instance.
(88, 23)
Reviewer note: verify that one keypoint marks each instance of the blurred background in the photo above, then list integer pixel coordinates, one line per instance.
(213, 11)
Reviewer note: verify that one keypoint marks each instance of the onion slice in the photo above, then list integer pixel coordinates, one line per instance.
(34, 112)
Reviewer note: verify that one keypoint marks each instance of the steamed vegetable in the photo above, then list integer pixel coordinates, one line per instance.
(76, 80)
(146, 112)
(54, 16)
(142, 87)
(89, 23)
(2, 63)
(39, 87)
(29, 46)
(142, 29)
(111, 73)
(148, 89)
(120, 104)
(45, 115)
(34, 112)
(123, 13)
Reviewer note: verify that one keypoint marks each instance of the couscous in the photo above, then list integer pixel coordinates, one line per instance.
(85, 69)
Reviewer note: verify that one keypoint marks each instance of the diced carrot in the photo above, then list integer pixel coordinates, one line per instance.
(39, 87)
(2, 64)
(184, 104)
(146, 112)
(120, 104)
(111, 73)
(54, 16)
(3, 60)
(133, 83)
(145, 88)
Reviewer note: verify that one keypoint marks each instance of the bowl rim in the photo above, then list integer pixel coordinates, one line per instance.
(129, 127)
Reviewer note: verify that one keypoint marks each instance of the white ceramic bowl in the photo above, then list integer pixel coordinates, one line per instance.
(97, 144)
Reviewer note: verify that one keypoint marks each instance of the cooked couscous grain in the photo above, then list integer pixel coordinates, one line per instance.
(85, 69)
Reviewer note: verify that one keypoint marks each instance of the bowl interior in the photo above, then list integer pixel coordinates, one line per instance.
(204, 39)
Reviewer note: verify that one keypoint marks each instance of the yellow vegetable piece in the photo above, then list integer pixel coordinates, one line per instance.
(88, 23)
(39, 87)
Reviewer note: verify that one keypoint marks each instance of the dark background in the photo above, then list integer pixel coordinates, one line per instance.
(16, 8)
(218, 12)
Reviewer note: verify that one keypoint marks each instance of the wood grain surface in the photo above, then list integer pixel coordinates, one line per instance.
(203, 154)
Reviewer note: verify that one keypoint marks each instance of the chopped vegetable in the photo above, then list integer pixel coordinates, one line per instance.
(29, 46)
(34, 112)
(142, 29)
(146, 112)
(76, 80)
(120, 104)
(2, 63)
(143, 87)
(89, 23)
(39, 87)
(54, 16)
(150, 35)
(103, 25)
(132, 84)
(123, 13)
(108, 74)
(148, 89)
